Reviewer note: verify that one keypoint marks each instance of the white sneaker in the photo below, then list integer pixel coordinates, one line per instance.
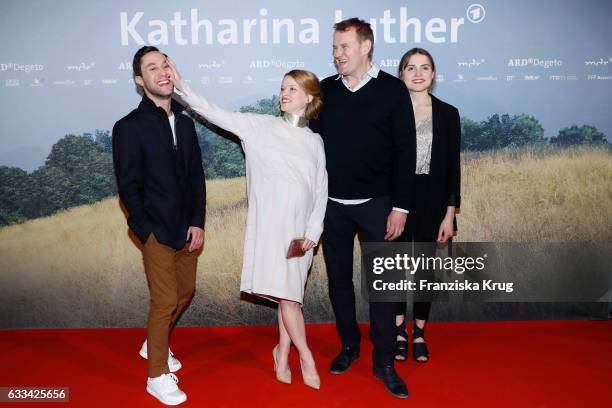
(164, 388)
(173, 364)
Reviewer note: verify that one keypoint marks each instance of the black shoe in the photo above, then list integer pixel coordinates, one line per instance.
(419, 349)
(401, 346)
(344, 360)
(393, 383)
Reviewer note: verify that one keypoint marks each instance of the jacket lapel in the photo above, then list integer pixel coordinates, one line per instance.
(436, 137)
(147, 105)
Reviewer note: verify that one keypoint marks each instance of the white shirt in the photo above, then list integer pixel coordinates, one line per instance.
(372, 73)
(171, 120)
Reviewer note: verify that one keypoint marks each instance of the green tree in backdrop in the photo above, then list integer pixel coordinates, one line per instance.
(579, 135)
(79, 168)
(499, 131)
(13, 195)
(222, 154)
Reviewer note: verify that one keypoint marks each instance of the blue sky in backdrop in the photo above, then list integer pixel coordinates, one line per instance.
(65, 66)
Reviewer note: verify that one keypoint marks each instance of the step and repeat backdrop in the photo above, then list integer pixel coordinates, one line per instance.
(532, 81)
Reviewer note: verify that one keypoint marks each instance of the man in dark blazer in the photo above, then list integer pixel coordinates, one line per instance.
(158, 165)
(367, 125)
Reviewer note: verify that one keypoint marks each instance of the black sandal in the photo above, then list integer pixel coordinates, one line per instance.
(401, 346)
(419, 349)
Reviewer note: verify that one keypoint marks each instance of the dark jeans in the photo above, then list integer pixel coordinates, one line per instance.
(421, 226)
(341, 224)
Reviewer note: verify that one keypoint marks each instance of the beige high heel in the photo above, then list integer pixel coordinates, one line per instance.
(313, 381)
(282, 377)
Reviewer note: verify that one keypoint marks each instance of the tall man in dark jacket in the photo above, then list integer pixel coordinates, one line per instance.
(367, 125)
(159, 173)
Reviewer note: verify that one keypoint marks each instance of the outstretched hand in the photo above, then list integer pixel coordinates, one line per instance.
(175, 77)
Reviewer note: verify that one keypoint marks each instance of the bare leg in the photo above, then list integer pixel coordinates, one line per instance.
(420, 323)
(399, 319)
(284, 344)
(293, 320)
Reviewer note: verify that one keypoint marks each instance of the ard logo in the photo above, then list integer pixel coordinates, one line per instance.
(125, 66)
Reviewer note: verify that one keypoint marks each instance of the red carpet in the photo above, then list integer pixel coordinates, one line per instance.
(531, 364)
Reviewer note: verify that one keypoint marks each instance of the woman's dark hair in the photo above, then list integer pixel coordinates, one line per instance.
(406, 58)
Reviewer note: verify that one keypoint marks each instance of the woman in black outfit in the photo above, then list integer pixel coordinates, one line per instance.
(436, 191)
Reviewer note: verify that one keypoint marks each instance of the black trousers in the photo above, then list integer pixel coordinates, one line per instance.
(422, 225)
(341, 224)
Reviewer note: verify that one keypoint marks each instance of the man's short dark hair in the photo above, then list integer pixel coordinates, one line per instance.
(363, 30)
(138, 57)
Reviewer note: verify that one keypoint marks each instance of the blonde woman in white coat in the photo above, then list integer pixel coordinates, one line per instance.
(287, 198)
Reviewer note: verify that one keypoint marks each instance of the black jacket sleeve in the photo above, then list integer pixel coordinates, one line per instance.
(198, 184)
(404, 150)
(127, 162)
(453, 164)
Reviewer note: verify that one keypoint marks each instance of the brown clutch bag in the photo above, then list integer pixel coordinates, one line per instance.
(295, 248)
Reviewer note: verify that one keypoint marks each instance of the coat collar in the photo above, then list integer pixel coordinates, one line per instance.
(294, 120)
(435, 127)
(435, 102)
(148, 105)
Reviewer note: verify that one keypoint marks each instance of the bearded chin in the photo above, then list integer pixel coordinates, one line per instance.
(164, 95)
(159, 94)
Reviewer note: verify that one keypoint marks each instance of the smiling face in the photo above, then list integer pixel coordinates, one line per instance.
(418, 75)
(155, 76)
(350, 55)
(292, 97)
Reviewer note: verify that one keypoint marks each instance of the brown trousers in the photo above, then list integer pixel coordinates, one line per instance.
(171, 276)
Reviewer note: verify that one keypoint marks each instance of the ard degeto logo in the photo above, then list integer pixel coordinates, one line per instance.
(276, 63)
(475, 13)
(16, 67)
(534, 62)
